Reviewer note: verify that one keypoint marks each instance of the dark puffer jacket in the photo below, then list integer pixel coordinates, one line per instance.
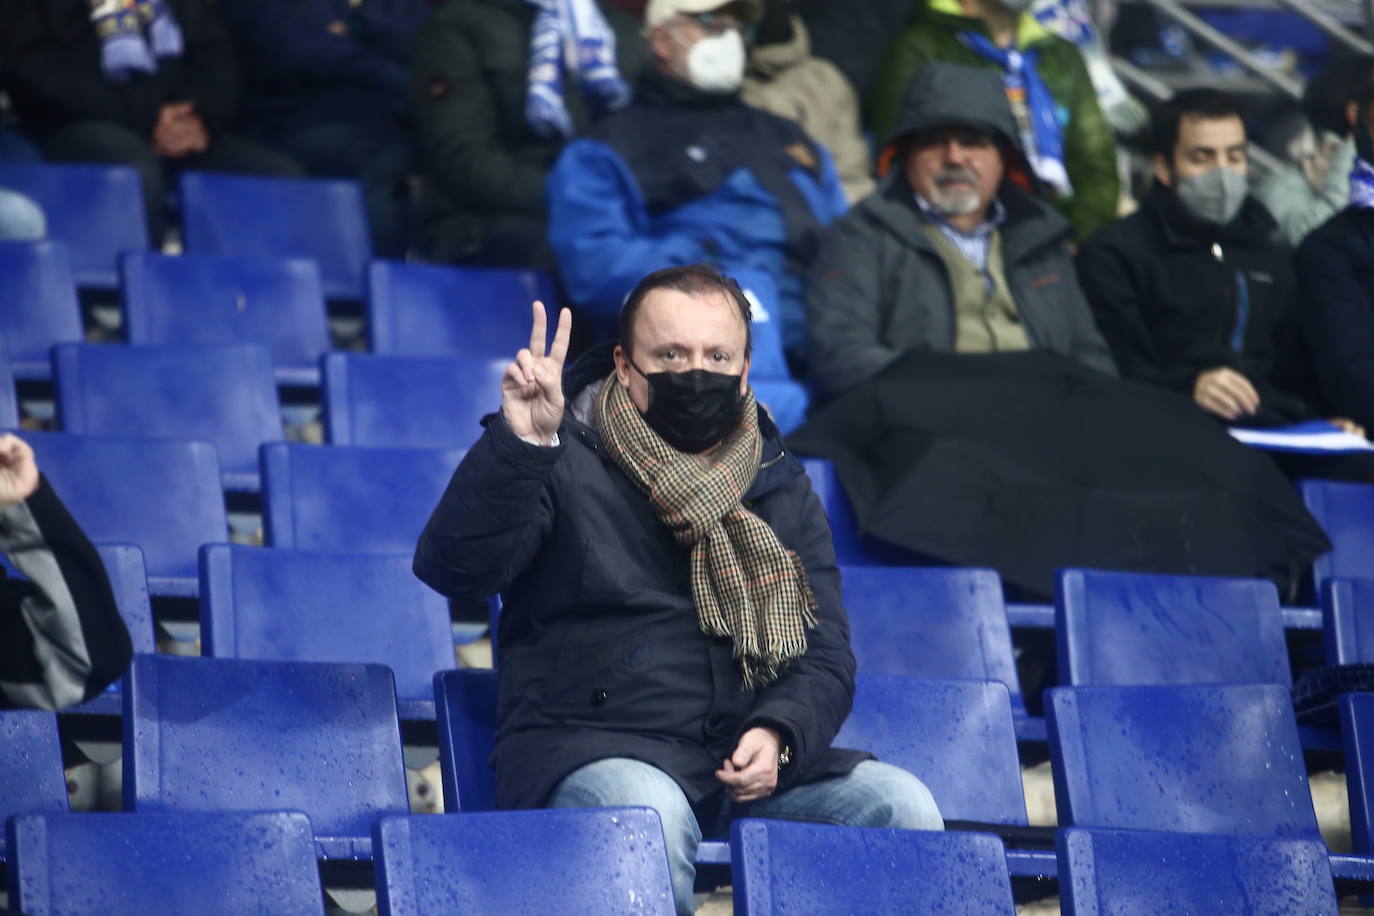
(1336, 273)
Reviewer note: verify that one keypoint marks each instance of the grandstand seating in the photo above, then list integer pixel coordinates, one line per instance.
(1346, 513)
(1357, 730)
(134, 864)
(38, 304)
(9, 396)
(296, 605)
(819, 869)
(582, 862)
(31, 759)
(1348, 621)
(465, 709)
(97, 210)
(223, 394)
(213, 734)
(851, 548)
(129, 581)
(324, 220)
(224, 299)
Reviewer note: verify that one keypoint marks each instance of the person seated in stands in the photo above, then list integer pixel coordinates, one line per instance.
(62, 640)
(672, 628)
(495, 99)
(1063, 131)
(149, 83)
(328, 88)
(690, 173)
(950, 253)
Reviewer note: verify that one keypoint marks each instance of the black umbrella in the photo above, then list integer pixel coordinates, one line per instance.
(1029, 462)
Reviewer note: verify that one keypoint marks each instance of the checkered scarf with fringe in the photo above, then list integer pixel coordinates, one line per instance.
(746, 585)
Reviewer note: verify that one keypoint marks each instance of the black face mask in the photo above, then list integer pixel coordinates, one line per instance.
(692, 411)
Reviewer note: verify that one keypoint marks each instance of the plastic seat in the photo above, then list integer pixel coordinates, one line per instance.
(97, 210)
(225, 395)
(9, 396)
(129, 581)
(38, 304)
(409, 402)
(351, 500)
(785, 399)
(432, 310)
(31, 759)
(323, 220)
(851, 548)
(1346, 513)
(1134, 871)
(1348, 621)
(119, 864)
(215, 734)
(820, 869)
(222, 299)
(295, 605)
(163, 495)
(579, 862)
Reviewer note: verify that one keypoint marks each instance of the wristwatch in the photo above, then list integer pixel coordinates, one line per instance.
(784, 756)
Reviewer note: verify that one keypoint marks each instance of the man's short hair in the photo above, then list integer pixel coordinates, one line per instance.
(693, 280)
(1333, 88)
(1207, 104)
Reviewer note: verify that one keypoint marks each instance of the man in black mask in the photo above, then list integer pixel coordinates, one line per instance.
(672, 630)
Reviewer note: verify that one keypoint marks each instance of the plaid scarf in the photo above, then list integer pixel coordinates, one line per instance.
(745, 584)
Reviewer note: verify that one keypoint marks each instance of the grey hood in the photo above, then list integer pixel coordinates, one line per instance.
(942, 94)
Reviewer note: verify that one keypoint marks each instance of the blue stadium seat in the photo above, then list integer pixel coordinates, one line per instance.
(31, 759)
(785, 399)
(851, 548)
(215, 734)
(129, 581)
(223, 299)
(324, 220)
(579, 862)
(97, 210)
(38, 304)
(133, 864)
(409, 402)
(9, 396)
(1346, 513)
(161, 494)
(224, 395)
(1135, 871)
(430, 310)
(465, 708)
(1357, 731)
(818, 869)
(1348, 621)
(351, 500)
(296, 605)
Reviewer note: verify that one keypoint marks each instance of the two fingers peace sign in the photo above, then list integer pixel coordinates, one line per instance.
(532, 388)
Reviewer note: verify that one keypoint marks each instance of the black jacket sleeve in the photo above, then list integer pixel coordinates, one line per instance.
(212, 78)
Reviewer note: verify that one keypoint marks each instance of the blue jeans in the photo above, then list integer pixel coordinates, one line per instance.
(873, 794)
(21, 219)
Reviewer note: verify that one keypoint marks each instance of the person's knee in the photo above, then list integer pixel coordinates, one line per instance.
(897, 799)
(617, 782)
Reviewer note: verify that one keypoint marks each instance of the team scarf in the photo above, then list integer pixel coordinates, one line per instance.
(1362, 184)
(120, 25)
(572, 36)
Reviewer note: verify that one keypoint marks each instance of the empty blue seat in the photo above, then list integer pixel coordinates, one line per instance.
(1346, 513)
(132, 864)
(820, 869)
(1348, 620)
(465, 708)
(9, 397)
(215, 734)
(1357, 732)
(429, 310)
(129, 581)
(409, 402)
(351, 500)
(31, 759)
(224, 299)
(224, 395)
(785, 399)
(296, 605)
(163, 495)
(1134, 871)
(38, 304)
(579, 862)
(324, 220)
(97, 210)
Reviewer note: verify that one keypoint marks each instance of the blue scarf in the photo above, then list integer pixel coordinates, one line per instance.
(1043, 137)
(577, 26)
(123, 48)
(1362, 184)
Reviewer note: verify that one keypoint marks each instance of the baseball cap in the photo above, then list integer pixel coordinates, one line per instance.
(659, 11)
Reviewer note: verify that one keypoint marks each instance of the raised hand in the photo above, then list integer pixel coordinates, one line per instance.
(18, 470)
(532, 388)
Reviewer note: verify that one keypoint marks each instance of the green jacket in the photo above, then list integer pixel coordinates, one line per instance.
(1089, 150)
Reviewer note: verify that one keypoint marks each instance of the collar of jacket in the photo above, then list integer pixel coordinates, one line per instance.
(767, 61)
(950, 14)
(656, 89)
(1253, 226)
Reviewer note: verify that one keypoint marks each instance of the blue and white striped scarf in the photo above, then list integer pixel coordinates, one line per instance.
(123, 48)
(1362, 184)
(570, 35)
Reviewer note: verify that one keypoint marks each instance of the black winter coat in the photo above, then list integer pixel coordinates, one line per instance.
(600, 653)
(1336, 270)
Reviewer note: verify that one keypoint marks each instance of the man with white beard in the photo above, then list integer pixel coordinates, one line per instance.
(952, 252)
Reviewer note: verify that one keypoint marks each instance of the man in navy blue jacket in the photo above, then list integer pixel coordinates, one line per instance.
(672, 629)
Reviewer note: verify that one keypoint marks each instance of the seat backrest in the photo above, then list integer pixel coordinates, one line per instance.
(38, 304)
(850, 548)
(1346, 513)
(1135, 871)
(1141, 628)
(118, 864)
(589, 860)
(163, 495)
(216, 734)
(321, 219)
(31, 759)
(432, 310)
(1191, 758)
(409, 402)
(465, 709)
(9, 395)
(351, 500)
(221, 394)
(296, 605)
(224, 299)
(1357, 736)
(1348, 620)
(97, 210)
(129, 581)
(957, 736)
(794, 867)
(931, 622)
